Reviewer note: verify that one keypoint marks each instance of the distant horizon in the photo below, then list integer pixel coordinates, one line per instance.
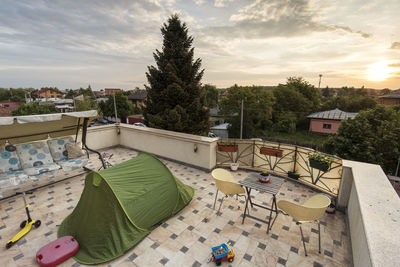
(219, 88)
(247, 42)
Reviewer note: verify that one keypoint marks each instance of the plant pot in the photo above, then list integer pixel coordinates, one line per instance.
(226, 148)
(319, 165)
(331, 209)
(234, 166)
(293, 175)
(271, 152)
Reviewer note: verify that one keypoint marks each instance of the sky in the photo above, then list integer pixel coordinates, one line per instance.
(110, 43)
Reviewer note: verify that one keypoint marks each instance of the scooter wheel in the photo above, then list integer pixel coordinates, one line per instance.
(37, 223)
(22, 225)
(9, 245)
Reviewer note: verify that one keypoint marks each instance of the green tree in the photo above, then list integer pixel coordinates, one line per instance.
(298, 97)
(33, 109)
(350, 103)
(211, 95)
(175, 99)
(124, 107)
(372, 136)
(12, 95)
(87, 104)
(257, 109)
(86, 92)
(327, 92)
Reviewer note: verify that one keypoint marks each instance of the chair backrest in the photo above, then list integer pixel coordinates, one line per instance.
(313, 209)
(222, 175)
(226, 183)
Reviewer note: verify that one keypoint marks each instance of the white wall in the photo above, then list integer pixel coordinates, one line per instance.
(373, 212)
(102, 136)
(172, 145)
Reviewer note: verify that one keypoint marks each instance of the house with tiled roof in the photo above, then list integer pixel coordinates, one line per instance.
(328, 122)
(138, 97)
(390, 99)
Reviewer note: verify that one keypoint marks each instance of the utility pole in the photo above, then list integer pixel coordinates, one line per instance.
(115, 109)
(319, 84)
(241, 122)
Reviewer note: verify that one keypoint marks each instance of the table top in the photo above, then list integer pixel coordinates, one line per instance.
(251, 181)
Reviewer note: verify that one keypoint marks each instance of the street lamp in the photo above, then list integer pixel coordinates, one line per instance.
(115, 110)
(319, 84)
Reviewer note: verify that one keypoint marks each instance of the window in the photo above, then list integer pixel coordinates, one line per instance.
(326, 126)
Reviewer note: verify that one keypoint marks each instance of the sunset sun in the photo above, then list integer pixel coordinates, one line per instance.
(378, 72)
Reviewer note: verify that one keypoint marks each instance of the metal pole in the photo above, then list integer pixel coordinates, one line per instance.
(397, 169)
(115, 110)
(319, 84)
(241, 122)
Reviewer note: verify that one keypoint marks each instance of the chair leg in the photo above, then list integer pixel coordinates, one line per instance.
(222, 200)
(319, 237)
(215, 200)
(302, 239)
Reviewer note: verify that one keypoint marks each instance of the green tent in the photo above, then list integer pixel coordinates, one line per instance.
(119, 206)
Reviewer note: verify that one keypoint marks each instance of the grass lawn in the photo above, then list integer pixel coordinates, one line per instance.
(303, 137)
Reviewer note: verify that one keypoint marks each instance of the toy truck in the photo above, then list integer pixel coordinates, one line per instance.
(222, 253)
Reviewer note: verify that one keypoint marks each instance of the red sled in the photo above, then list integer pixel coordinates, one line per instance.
(57, 251)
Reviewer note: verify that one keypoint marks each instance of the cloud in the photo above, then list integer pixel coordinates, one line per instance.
(221, 3)
(108, 27)
(199, 2)
(262, 19)
(395, 45)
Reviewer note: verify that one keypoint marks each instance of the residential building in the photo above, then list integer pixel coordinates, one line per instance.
(390, 99)
(100, 93)
(221, 130)
(7, 107)
(46, 92)
(328, 122)
(215, 117)
(11, 105)
(111, 91)
(138, 97)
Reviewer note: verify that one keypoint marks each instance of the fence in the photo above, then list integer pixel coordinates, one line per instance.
(281, 159)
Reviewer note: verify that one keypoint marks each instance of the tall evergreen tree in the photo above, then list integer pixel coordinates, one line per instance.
(175, 97)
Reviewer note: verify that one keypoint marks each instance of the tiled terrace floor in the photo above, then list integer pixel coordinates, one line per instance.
(187, 238)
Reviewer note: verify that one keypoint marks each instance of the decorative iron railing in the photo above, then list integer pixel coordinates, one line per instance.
(282, 159)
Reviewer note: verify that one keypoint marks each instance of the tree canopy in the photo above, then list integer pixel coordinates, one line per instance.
(124, 107)
(257, 110)
(175, 98)
(372, 136)
(86, 92)
(12, 95)
(350, 103)
(297, 95)
(33, 109)
(211, 95)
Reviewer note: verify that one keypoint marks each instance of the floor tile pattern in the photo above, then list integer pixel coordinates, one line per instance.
(186, 239)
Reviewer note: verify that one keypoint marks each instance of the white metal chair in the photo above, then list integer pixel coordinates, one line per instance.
(312, 210)
(226, 184)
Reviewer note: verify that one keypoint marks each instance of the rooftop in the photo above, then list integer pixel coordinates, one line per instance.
(335, 114)
(186, 239)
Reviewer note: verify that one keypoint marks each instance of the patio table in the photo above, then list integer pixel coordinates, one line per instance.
(273, 187)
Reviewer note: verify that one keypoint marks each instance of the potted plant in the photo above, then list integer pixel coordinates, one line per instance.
(320, 161)
(234, 166)
(271, 151)
(227, 146)
(264, 177)
(293, 175)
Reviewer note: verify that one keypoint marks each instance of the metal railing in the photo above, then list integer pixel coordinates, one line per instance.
(281, 159)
